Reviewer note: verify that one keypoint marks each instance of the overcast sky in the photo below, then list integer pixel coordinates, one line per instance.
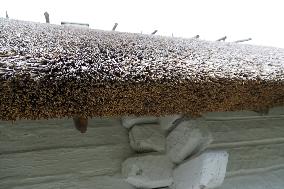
(262, 20)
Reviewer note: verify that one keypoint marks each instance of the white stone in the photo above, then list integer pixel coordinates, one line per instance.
(150, 171)
(187, 139)
(205, 171)
(168, 122)
(130, 121)
(147, 138)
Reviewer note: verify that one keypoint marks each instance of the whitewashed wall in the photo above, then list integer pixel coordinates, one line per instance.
(255, 144)
(52, 154)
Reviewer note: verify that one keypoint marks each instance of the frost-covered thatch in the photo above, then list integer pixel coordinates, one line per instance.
(49, 71)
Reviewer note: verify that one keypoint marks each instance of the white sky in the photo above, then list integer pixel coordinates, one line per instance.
(262, 20)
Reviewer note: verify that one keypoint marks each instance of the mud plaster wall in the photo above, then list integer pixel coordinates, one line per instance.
(52, 154)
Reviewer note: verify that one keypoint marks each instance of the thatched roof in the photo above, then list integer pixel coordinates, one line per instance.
(49, 71)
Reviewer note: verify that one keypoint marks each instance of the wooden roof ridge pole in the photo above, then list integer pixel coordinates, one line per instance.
(114, 27)
(81, 123)
(222, 38)
(243, 40)
(7, 16)
(46, 15)
(154, 32)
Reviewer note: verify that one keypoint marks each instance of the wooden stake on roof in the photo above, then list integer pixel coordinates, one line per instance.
(46, 15)
(114, 27)
(7, 16)
(222, 38)
(243, 40)
(154, 32)
(196, 37)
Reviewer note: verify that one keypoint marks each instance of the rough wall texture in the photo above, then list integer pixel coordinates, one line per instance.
(52, 154)
(262, 180)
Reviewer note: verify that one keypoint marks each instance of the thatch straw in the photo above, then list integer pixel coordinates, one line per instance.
(49, 71)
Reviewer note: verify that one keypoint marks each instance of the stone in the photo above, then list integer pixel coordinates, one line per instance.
(130, 121)
(187, 139)
(169, 122)
(147, 138)
(149, 171)
(205, 171)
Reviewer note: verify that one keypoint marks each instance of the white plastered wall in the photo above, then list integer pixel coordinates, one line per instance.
(52, 154)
